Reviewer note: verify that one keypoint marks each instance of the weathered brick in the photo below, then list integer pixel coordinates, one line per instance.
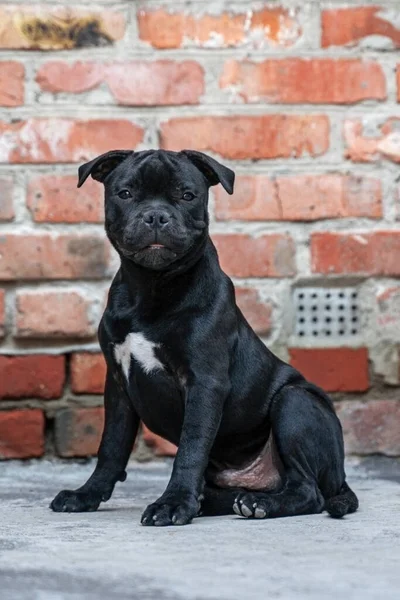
(372, 253)
(2, 312)
(31, 376)
(270, 26)
(371, 427)
(270, 255)
(64, 140)
(12, 75)
(348, 26)
(362, 147)
(398, 82)
(41, 27)
(45, 256)
(52, 314)
(398, 363)
(159, 445)
(21, 433)
(333, 369)
(396, 200)
(6, 199)
(388, 311)
(254, 137)
(78, 431)
(131, 83)
(88, 373)
(55, 199)
(257, 312)
(305, 81)
(300, 198)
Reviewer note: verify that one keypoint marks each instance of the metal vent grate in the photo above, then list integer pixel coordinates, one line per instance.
(326, 312)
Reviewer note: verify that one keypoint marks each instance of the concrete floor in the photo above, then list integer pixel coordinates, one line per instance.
(109, 555)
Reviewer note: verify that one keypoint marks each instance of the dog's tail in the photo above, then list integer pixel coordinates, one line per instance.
(344, 503)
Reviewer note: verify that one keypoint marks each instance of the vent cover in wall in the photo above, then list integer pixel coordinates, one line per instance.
(326, 313)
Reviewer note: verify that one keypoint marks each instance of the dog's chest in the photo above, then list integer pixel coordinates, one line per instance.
(155, 387)
(138, 347)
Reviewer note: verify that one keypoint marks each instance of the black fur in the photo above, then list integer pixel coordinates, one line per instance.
(221, 393)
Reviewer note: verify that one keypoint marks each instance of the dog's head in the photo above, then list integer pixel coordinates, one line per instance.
(156, 201)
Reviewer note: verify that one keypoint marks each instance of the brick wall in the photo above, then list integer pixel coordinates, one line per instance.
(300, 98)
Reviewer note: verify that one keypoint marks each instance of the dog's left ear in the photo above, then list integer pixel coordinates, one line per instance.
(213, 170)
(101, 166)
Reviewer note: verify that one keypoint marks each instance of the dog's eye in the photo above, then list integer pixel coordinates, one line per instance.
(124, 194)
(188, 196)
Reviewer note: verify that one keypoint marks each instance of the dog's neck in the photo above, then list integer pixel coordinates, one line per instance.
(157, 288)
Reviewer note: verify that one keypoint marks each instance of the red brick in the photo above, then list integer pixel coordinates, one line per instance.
(255, 198)
(21, 434)
(333, 369)
(45, 256)
(372, 253)
(32, 376)
(72, 78)
(12, 75)
(371, 427)
(64, 140)
(55, 199)
(270, 26)
(53, 315)
(270, 255)
(347, 26)
(88, 373)
(255, 137)
(366, 148)
(78, 431)
(300, 198)
(257, 312)
(133, 83)
(305, 81)
(41, 27)
(160, 446)
(305, 197)
(2, 312)
(6, 199)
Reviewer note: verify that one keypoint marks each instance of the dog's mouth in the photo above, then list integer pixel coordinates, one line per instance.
(155, 249)
(151, 250)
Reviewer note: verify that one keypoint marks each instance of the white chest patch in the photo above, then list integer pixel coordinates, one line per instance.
(136, 345)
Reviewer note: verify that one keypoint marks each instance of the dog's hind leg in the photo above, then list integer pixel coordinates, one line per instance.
(297, 497)
(218, 501)
(310, 445)
(120, 428)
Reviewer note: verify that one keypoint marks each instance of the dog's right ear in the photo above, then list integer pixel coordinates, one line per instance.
(101, 166)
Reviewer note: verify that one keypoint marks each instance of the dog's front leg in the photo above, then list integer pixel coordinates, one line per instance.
(120, 428)
(181, 500)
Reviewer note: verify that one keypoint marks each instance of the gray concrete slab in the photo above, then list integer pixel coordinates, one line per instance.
(109, 555)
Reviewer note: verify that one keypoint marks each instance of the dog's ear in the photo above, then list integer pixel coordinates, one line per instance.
(101, 166)
(213, 170)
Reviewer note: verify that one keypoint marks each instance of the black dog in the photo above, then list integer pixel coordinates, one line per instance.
(255, 438)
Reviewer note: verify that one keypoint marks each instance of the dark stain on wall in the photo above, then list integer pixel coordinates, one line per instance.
(56, 33)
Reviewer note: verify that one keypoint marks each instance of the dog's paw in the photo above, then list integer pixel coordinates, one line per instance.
(251, 506)
(171, 509)
(76, 501)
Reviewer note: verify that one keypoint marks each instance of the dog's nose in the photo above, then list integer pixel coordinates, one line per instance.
(156, 218)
